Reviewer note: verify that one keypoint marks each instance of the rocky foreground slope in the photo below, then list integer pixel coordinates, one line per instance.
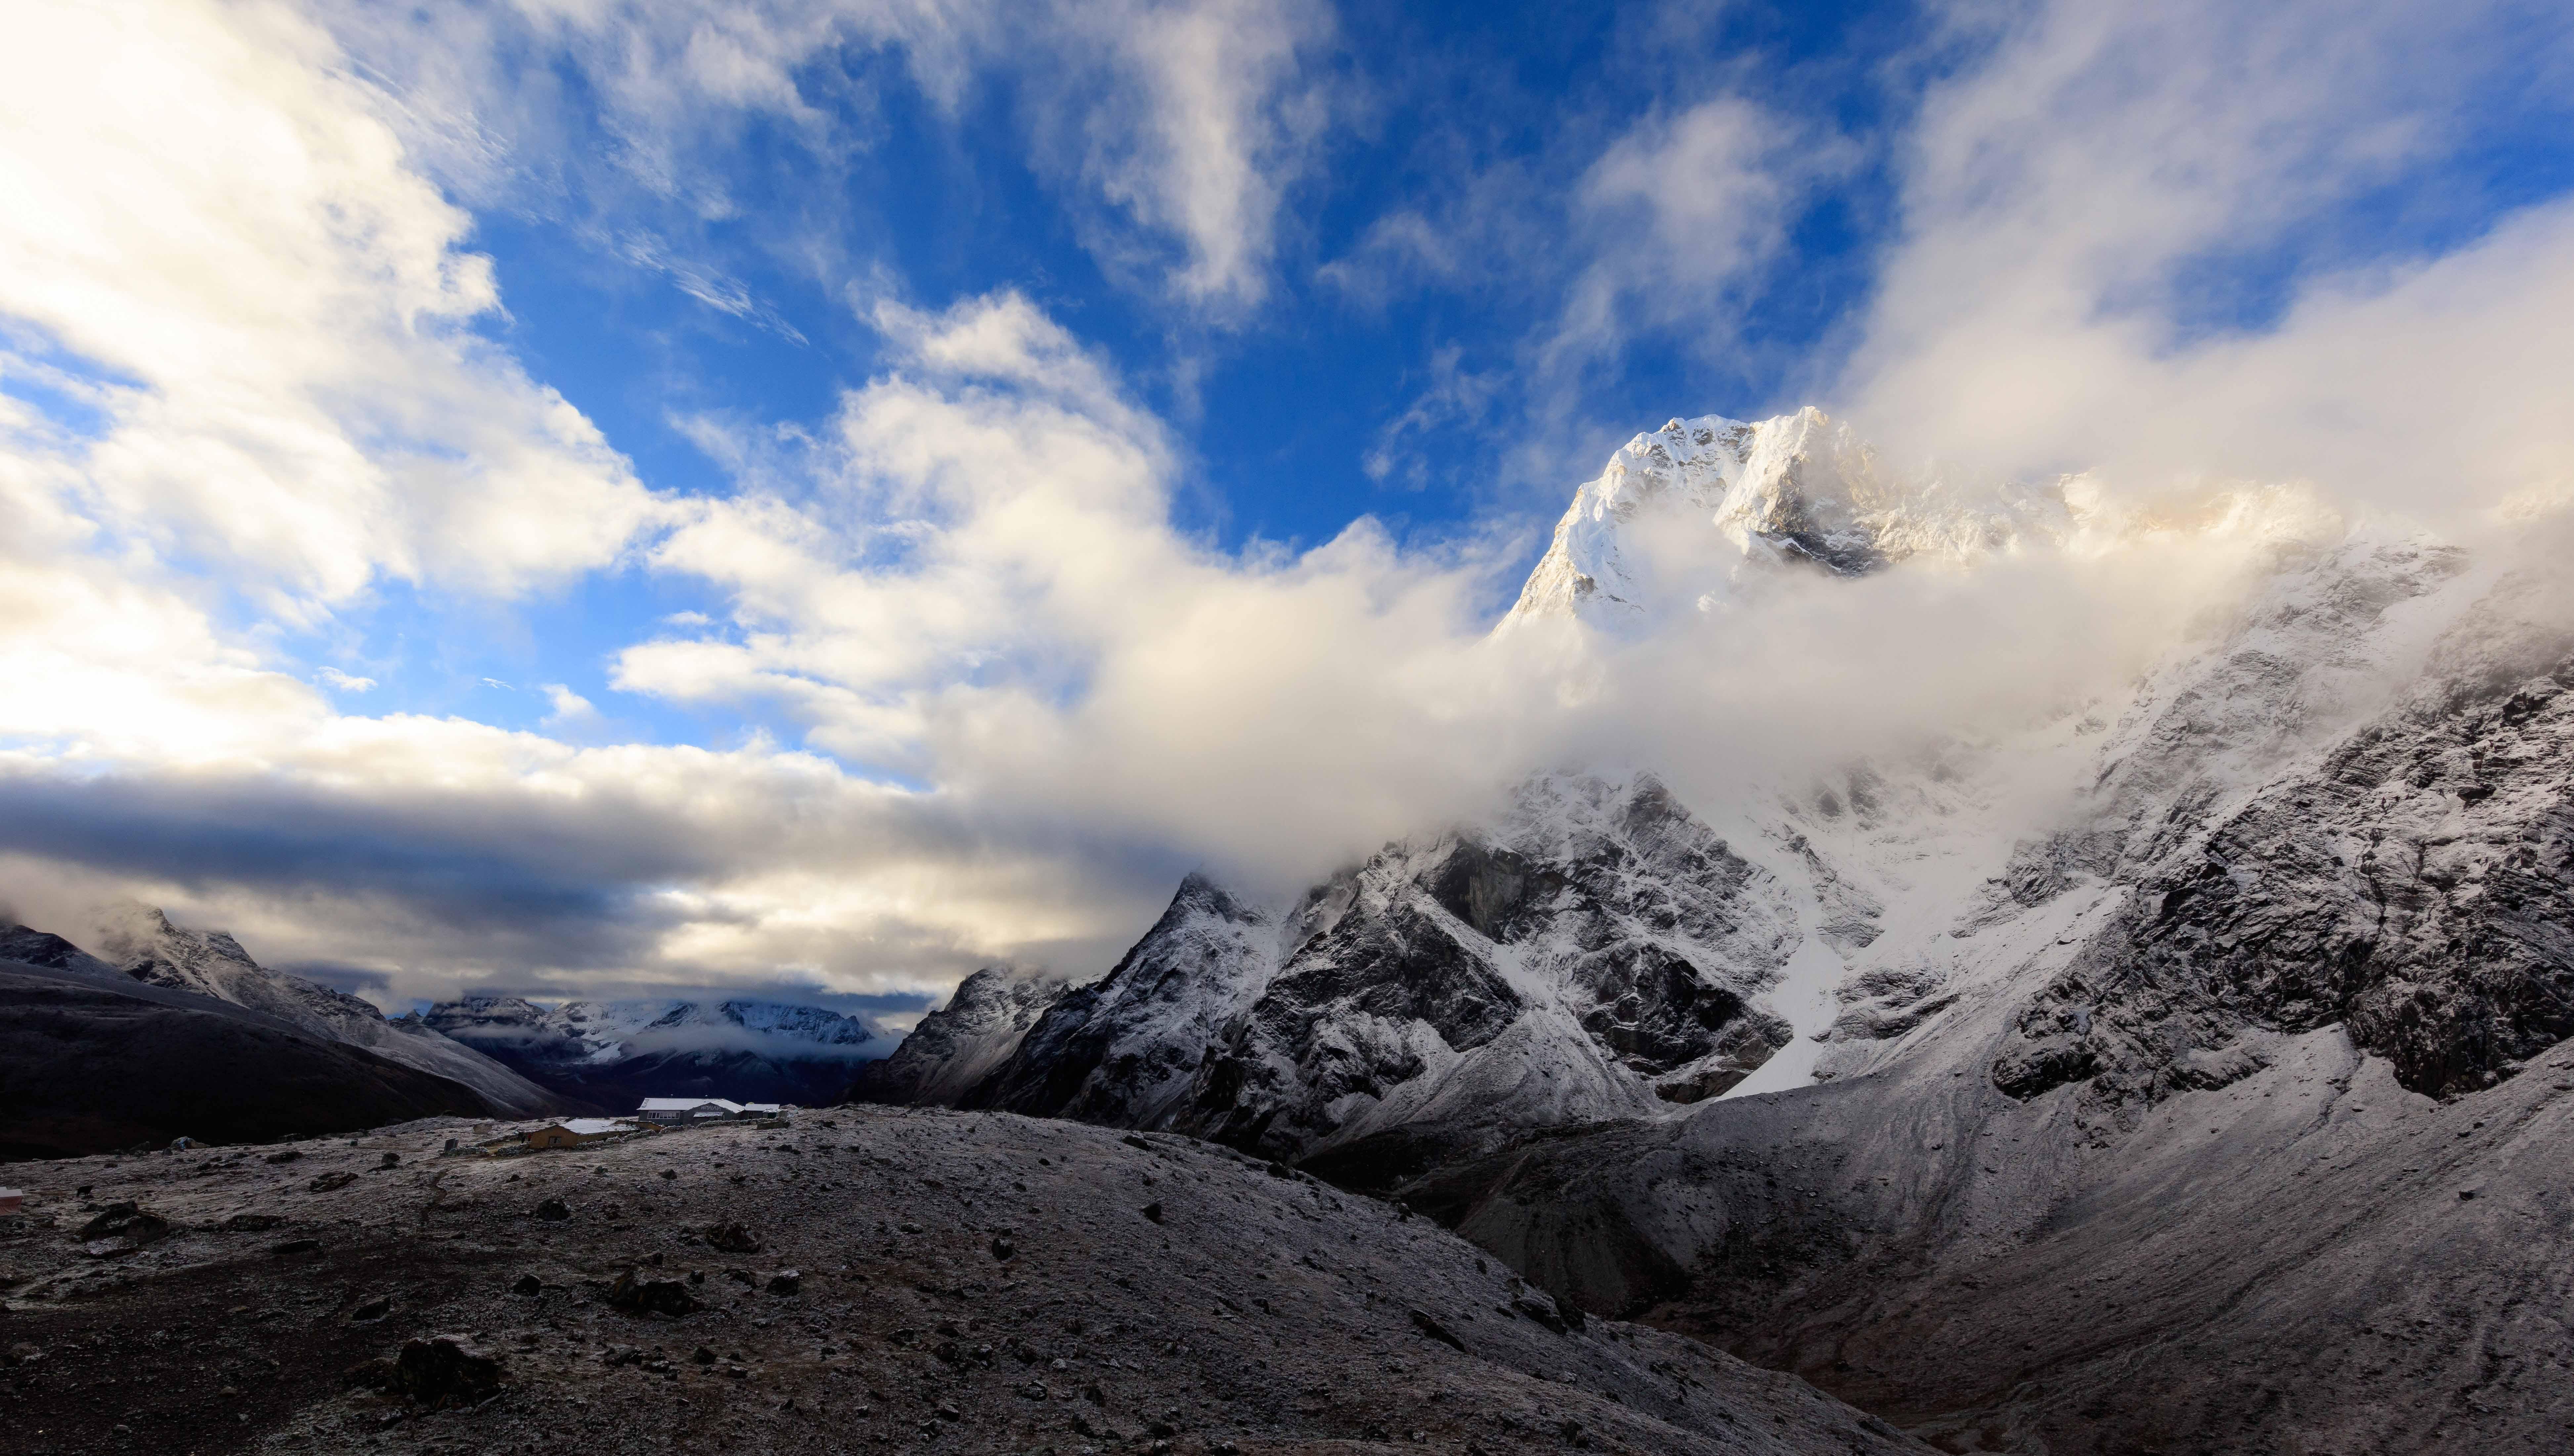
(875, 1278)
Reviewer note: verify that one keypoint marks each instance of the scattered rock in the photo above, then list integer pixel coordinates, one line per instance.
(445, 1370)
(650, 1296)
(392, 1159)
(1422, 1321)
(1536, 1306)
(554, 1210)
(732, 1239)
(1153, 1212)
(295, 1246)
(1003, 1249)
(287, 1156)
(785, 1281)
(121, 1228)
(326, 1182)
(704, 1356)
(372, 1309)
(528, 1286)
(251, 1223)
(127, 1221)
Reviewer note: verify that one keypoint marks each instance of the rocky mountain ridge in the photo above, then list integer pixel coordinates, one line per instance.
(93, 1060)
(1596, 952)
(141, 942)
(959, 1045)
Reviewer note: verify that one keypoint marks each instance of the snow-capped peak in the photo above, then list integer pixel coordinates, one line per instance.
(1680, 513)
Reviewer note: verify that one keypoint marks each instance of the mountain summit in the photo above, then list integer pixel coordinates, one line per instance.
(1681, 514)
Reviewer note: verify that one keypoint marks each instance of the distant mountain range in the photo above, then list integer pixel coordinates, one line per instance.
(616, 1053)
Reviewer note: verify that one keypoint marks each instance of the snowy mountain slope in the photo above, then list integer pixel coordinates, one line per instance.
(617, 1052)
(1595, 953)
(2132, 1046)
(961, 1043)
(29, 946)
(2263, 1034)
(1904, 884)
(2415, 886)
(141, 942)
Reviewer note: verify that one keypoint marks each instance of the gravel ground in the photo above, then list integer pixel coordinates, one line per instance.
(961, 1282)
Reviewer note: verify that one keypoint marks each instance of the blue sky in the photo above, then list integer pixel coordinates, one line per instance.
(824, 496)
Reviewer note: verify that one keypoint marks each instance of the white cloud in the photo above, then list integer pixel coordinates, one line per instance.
(570, 709)
(1454, 394)
(1682, 215)
(342, 680)
(2081, 210)
(222, 230)
(983, 590)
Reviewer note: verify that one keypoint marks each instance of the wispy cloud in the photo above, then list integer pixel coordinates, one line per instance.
(1176, 127)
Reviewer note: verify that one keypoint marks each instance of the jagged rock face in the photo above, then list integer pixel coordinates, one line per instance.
(1594, 954)
(2417, 888)
(961, 1043)
(141, 942)
(1127, 1050)
(614, 1054)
